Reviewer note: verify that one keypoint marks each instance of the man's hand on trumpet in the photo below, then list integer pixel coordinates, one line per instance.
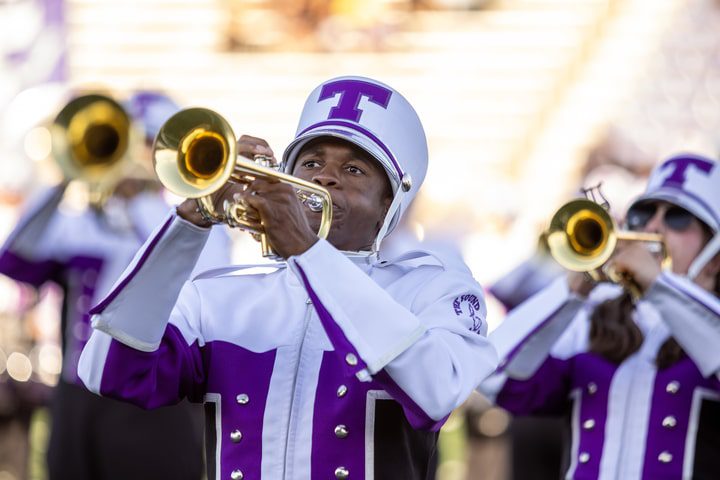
(269, 205)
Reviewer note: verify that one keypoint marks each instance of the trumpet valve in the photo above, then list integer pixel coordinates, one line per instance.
(311, 200)
(265, 161)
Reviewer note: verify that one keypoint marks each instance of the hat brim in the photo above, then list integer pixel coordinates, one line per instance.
(356, 138)
(684, 200)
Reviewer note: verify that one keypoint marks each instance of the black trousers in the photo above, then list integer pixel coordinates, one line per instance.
(97, 438)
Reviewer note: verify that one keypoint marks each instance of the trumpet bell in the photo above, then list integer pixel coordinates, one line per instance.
(582, 235)
(90, 138)
(194, 153)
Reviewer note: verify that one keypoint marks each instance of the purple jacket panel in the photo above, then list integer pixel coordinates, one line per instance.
(413, 412)
(338, 397)
(591, 378)
(673, 394)
(242, 378)
(155, 379)
(34, 273)
(546, 392)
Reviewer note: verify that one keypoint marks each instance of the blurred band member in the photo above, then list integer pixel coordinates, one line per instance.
(84, 252)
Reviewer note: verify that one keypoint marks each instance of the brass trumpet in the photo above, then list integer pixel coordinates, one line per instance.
(90, 139)
(582, 236)
(195, 154)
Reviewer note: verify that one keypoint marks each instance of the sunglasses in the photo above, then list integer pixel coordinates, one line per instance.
(675, 218)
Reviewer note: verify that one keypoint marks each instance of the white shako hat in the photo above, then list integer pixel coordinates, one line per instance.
(376, 118)
(692, 182)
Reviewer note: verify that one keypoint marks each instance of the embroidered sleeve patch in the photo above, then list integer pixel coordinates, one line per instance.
(468, 305)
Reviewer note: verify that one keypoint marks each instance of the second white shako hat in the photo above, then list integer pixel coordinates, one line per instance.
(692, 182)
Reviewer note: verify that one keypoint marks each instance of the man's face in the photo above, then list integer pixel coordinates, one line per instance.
(358, 185)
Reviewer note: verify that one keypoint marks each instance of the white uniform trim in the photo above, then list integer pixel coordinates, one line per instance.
(680, 299)
(99, 324)
(576, 396)
(217, 400)
(373, 396)
(699, 395)
(276, 416)
(707, 254)
(100, 346)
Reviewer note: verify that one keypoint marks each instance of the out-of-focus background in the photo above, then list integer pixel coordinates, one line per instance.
(523, 102)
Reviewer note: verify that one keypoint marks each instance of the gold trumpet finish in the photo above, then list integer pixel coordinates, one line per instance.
(579, 236)
(582, 236)
(90, 139)
(195, 154)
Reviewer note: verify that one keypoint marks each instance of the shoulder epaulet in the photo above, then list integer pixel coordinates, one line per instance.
(415, 258)
(239, 270)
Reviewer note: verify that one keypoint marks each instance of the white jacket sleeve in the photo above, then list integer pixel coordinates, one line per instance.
(693, 315)
(137, 309)
(526, 336)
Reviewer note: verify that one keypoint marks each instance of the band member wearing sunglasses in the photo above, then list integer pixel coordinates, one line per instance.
(638, 379)
(83, 251)
(331, 364)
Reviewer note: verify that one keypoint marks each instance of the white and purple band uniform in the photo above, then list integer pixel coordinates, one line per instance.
(632, 420)
(331, 364)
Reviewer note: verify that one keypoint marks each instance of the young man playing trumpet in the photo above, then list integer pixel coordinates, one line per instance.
(333, 363)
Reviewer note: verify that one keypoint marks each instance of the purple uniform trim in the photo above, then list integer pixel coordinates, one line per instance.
(413, 412)
(232, 371)
(154, 379)
(546, 392)
(676, 405)
(359, 129)
(177, 370)
(342, 345)
(328, 450)
(591, 376)
(34, 273)
(127, 278)
(78, 276)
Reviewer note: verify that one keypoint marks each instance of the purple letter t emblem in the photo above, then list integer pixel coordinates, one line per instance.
(680, 166)
(350, 93)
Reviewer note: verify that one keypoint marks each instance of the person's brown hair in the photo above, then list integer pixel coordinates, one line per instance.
(615, 336)
(613, 332)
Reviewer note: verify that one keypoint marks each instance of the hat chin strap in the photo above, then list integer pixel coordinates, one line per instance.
(394, 207)
(707, 254)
